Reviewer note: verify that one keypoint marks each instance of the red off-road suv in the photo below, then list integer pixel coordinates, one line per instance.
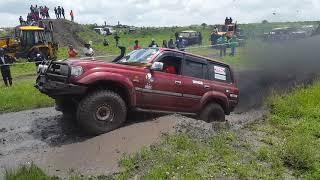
(100, 94)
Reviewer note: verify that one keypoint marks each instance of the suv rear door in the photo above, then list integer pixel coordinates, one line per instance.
(194, 82)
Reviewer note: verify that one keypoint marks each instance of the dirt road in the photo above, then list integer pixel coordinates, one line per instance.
(54, 143)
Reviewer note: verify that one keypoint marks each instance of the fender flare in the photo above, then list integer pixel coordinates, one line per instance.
(216, 96)
(94, 77)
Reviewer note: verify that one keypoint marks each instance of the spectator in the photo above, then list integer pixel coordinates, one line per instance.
(29, 18)
(37, 56)
(59, 12)
(88, 51)
(171, 44)
(62, 11)
(230, 20)
(136, 46)
(233, 45)
(200, 38)
(31, 9)
(180, 43)
(116, 37)
(222, 45)
(164, 44)
(226, 21)
(72, 15)
(46, 11)
(5, 68)
(153, 44)
(21, 20)
(56, 12)
(176, 35)
(214, 37)
(72, 52)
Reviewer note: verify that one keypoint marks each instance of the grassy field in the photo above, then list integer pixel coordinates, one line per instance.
(284, 145)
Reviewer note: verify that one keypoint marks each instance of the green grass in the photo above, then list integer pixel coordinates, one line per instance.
(22, 95)
(27, 173)
(186, 157)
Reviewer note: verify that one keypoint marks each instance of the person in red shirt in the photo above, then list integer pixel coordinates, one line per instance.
(72, 52)
(136, 46)
(72, 15)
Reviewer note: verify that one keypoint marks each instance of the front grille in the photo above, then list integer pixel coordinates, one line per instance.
(58, 72)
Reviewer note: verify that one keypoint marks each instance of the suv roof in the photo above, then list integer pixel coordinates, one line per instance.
(195, 55)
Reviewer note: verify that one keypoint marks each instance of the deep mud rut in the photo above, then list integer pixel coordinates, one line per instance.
(55, 143)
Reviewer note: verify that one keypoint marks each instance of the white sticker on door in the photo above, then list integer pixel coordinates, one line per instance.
(219, 70)
(220, 77)
(197, 82)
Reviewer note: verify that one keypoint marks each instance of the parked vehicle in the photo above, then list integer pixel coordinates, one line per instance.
(191, 37)
(104, 31)
(100, 94)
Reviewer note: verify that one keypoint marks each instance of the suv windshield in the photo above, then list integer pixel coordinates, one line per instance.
(140, 56)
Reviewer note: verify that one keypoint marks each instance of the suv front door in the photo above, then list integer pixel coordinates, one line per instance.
(162, 89)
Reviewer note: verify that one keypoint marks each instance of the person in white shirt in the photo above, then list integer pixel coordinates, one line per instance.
(88, 51)
(5, 68)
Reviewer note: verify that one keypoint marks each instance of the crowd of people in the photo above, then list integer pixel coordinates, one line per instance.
(42, 12)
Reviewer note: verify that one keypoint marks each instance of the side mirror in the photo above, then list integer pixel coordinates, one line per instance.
(157, 66)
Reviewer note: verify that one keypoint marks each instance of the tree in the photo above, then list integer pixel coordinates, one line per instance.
(265, 22)
(204, 25)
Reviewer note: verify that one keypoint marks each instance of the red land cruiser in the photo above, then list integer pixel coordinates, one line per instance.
(101, 93)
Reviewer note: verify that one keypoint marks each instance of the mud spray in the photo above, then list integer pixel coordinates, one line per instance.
(277, 67)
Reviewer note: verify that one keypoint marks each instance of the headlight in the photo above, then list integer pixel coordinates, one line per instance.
(76, 71)
(42, 68)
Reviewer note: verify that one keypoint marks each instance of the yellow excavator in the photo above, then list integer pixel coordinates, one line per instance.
(27, 38)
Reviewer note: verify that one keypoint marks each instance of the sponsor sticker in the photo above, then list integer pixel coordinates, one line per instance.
(197, 82)
(220, 77)
(219, 70)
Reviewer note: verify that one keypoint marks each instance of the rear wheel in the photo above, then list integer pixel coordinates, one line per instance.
(213, 112)
(101, 112)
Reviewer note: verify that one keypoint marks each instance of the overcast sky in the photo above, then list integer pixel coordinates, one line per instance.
(168, 12)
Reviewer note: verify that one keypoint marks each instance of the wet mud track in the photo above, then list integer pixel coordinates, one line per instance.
(56, 144)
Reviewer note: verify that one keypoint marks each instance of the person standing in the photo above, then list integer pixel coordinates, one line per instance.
(153, 44)
(21, 20)
(171, 44)
(116, 37)
(88, 51)
(72, 52)
(56, 12)
(222, 41)
(164, 44)
(136, 46)
(37, 56)
(233, 45)
(5, 68)
(72, 15)
(62, 11)
(59, 12)
(180, 43)
(46, 11)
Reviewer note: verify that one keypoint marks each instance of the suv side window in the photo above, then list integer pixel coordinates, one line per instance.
(194, 68)
(220, 73)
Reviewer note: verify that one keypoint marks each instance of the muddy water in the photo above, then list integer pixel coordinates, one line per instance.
(54, 143)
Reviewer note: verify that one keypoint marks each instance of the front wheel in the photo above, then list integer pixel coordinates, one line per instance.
(101, 112)
(213, 112)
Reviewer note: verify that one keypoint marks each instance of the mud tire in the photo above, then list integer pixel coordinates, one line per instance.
(114, 111)
(213, 112)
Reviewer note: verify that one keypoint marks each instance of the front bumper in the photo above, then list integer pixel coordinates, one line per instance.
(55, 88)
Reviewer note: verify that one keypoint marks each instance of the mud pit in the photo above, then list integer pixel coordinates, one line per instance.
(54, 143)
